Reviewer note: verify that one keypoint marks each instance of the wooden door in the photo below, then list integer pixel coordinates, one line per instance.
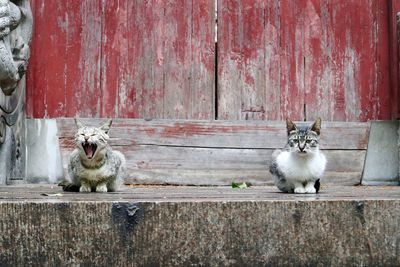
(158, 59)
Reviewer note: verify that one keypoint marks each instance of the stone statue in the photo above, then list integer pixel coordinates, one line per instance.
(15, 36)
(14, 40)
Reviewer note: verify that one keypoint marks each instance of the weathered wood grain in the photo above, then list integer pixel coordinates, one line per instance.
(394, 28)
(241, 60)
(211, 166)
(276, 59)
(203, 61)
(332, 59)
(219, 152)
(123, 59)
(65, 77)
(218, 134)
(347, 73)
(205, 166)
(291, 60)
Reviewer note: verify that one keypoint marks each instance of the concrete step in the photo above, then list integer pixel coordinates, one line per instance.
(199, 226)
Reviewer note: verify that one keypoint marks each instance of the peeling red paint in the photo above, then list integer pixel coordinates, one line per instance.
(330, 59)
(276, 59)
(191, 129)
(123, 59)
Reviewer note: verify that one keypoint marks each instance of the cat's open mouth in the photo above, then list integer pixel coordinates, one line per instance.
(89, 149)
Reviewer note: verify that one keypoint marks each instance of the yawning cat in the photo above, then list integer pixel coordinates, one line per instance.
(301, 164)
(93, 165)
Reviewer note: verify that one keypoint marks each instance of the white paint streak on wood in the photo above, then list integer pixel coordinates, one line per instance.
(351, 69)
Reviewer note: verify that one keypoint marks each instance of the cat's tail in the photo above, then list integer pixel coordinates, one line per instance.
(317, 185)
(69, 187)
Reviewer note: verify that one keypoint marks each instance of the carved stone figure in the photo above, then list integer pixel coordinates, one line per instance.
(15, 36)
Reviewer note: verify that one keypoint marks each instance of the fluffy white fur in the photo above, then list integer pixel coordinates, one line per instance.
(300, 171)
(301, 164)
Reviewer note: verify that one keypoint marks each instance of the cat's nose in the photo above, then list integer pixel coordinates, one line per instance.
(302, 146)
(86, 138)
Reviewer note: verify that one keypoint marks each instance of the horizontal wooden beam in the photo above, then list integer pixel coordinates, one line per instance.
(217, 134)
(219, 152)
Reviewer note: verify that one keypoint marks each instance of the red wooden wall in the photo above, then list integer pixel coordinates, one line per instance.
(157, 59)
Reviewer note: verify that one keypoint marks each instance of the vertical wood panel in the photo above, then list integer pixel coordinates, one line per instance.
(155, 59)
(292, 60)
(332, 57)
(83, 58)
(346, 60)
(383, 96)
(168, 69)
(147, 59)
(46, 69)
(114, 64)
(177, 55)
(241, 61)
(394, 30)
(272, 60)
(202, 79)
(64, 77)
(145, 78)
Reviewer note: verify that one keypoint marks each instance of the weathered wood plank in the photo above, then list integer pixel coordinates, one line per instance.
(383, 92)
(114, 61)
(202, 79)
(272, 61)
(176, 58)
(88, 81)
(200, 166)
(241, 59)
(123, 59)
(218, 152)
(332, 58)
(45, 86)
(291, 60)
(151, 164)
(394, 28)
(65, 78)
(346, 70)
(143, 96)
(227, 134)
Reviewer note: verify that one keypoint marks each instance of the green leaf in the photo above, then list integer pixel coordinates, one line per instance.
(238, 185)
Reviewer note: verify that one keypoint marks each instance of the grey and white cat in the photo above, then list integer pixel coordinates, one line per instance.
(299, 166)
(93, 165)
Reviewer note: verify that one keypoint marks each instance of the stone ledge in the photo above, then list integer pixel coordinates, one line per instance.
(212, 226)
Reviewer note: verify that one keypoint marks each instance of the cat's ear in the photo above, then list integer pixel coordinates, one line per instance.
(106, 126)
(78, 123)
(316, 127)
(290, 126)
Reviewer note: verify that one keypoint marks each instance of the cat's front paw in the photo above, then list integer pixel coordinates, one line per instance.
(85, 189)
(102, 188)
(299, 190)
(310, 189)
